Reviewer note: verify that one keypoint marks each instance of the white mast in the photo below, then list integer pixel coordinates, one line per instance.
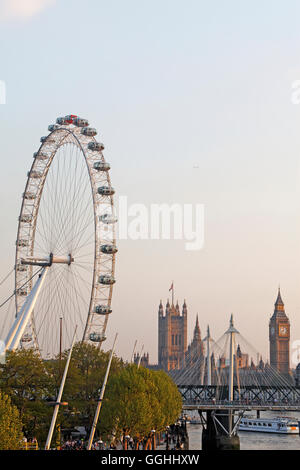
(231, 331)
(56, 407)
(96, 417)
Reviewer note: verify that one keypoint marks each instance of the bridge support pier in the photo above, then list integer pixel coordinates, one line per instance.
(219, 431)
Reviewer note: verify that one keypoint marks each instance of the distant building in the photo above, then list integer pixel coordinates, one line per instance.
(187, 363)
(195, 350)
(279, 336)
(144, 362)
(172, 336)
(242, 359)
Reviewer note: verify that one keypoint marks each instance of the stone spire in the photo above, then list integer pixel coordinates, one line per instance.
(197, 332)
(279, 305)
(279, 310)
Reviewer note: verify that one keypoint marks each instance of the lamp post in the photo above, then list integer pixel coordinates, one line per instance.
(153, 439)
(167, 437)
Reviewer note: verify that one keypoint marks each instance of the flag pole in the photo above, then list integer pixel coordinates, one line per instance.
(172, 293)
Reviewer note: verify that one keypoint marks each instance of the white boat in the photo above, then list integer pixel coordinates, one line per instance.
(278, 425)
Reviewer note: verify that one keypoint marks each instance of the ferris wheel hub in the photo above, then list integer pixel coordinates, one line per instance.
(48, 260)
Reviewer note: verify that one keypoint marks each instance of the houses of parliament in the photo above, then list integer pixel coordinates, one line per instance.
(176, 356)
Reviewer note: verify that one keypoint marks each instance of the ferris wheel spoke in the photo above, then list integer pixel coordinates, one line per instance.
(46, 302)
(78, 295)
(88, 270)
(79, 233)
(67, 218)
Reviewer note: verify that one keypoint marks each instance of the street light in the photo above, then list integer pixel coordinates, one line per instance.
(153, 431)
(167, 437)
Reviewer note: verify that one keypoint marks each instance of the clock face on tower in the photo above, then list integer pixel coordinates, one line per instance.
(283, 330)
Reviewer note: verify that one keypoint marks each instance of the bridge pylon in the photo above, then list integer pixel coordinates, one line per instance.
(220, 432)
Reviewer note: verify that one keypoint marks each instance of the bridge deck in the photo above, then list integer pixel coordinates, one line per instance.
(239, 407)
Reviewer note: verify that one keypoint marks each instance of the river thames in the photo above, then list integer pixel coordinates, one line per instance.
(254, 440)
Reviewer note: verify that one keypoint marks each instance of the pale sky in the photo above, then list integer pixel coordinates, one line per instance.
(193, 103)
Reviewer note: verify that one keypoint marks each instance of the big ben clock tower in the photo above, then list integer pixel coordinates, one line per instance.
(279, 334)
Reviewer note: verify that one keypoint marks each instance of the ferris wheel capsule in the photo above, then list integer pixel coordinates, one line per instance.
(21, 242)
(34, 174)
(21, 267)
(79, 122)
(108, 219)
(26, 338)
(28, 195)
(70, 118)
(103, 309)
(101, 166)
(97, 338)
(108, 249)
(26, 218)
(22, 292)
(61, 121)
(47, 139)
(53, 127)
(40, 156)
(89, 131)
(106, 279)
(106, 190)
(95, 146)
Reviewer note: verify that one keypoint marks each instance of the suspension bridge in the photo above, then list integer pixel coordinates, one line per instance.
(222, 386)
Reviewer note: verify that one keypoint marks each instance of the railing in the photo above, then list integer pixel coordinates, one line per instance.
(245, 395)
(214, 404)
(30, 446)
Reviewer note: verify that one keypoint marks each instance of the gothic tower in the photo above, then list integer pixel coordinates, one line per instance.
(279, 335)
(195, 351)
(172, 336)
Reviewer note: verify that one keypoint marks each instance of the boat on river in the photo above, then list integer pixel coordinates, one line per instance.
(278, 425)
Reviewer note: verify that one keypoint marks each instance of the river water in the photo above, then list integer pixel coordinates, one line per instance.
(254, 440)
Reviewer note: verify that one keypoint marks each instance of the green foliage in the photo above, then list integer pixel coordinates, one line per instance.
(138, 400)
(84, 381)
(10, 425)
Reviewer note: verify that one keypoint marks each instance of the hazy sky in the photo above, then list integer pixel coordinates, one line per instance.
(192, 100)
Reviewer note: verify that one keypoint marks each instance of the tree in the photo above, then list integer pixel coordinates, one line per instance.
(84, 381)
(24, 377)
(138, 400)
(10, 425)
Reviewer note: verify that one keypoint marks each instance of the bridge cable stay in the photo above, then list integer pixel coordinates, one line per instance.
(268, 375)
(253, 379)
(260, 375)
(194, 369)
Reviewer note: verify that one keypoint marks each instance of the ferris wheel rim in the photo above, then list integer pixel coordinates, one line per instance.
(81, 141)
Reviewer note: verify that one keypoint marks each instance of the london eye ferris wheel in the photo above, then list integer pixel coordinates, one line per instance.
(67, 221)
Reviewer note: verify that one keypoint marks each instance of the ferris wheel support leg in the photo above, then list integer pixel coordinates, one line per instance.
(56, 408)
(14, 327)
(14, 337)
(99, 404)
